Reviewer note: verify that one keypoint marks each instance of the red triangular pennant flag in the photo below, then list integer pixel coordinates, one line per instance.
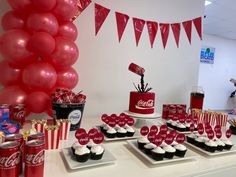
(188, 29)
(81, 6)
(152, 28)
(165, 28)
(176, 31)
(198, 25)
(121, 21)
(138, 28)
(101, 14)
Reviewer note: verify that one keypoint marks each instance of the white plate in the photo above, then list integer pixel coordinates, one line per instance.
(143, 116)
(71, 162)
(135, 136)
(216, 153)
(190, 155)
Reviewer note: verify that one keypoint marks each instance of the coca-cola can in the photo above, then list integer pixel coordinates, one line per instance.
(17, 113)
(172, 111)
(17, 138)
(165, 111)
(136, 69)
(9, 159)
(37, 136)
(34, 158)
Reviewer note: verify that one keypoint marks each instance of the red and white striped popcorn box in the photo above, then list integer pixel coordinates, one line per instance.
(213, 119)
(200, 117)
(222, 119)
(64, 128)
(39, 125)
(207, 117)
(52, 136)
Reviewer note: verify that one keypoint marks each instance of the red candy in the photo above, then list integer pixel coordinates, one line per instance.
(68, 97)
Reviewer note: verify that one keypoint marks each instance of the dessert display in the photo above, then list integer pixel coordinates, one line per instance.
(209, 139)
(159, 145)
(141, 101)
(88, 145)
(117, 126)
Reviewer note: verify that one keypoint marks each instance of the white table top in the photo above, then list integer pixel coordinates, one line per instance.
(128, 164)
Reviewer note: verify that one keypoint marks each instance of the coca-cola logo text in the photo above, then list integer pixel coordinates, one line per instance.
(145, 104)
(11, 161)
(35, 159)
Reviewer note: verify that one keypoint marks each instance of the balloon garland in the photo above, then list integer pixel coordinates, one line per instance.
(39, 50)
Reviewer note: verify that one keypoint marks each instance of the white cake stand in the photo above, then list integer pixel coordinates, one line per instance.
(143, 119)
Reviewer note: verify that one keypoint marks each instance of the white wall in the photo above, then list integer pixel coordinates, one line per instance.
(103, 62)
(215, 77)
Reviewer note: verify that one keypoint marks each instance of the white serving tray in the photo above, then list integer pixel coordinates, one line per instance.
(183, 132)
(71, 162)
(143, 116)
(216, 153)
(190, 155)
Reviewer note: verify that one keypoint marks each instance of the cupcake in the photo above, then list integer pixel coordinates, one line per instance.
(142, 141)
(220, 145)
(97, 152)
(169, 151)
(130, 131)
(174, 143)
(121, 132)
(228, 144)
(111, 133)
(181, 127)
(74, 146)
(180, 150)
(82, 154)
(103, 128)
(157, 153)
(90, 144)
(168, 123)
(148, 147)
(199, 142)
(191, 138)
(210, 146)
(187, 125)
(164, 144)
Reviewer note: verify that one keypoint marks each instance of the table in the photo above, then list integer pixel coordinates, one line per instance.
(128, 164)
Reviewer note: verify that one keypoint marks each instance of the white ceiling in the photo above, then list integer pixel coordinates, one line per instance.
(220, 18)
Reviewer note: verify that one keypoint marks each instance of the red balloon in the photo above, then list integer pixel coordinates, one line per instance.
(39, 76)
(9, 75)
(65, 9)
(67, 78)
(22, 6)
(42, 43)
(37, 102)
(12, 95)
(11, 20)
(65, 53)
(45, 22)
(13, 46)
(44, 5)
(68, 30)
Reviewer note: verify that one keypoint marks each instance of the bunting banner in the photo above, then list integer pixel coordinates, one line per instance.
(121, 21)
(198, 26)
(176, 32)
(188, 29)
(101, 14)
(81, 6)
(165, 28)
(138, 28)
(152, 28)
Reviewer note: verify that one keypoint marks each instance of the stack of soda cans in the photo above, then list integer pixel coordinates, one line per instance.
(15, 152)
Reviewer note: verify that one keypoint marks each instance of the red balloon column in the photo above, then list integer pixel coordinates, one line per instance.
(39, 50)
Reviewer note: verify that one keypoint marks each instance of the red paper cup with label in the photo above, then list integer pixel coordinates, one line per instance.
(200, 128)
(169, 139)
(151, 136)
(164, 128)
(98, 138)
(144, 130)
(180, 138)
(154, 129)
(158, 140)
(79, 132)
(92, 133)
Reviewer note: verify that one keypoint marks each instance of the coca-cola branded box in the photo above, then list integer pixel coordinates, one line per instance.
(141, 101)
